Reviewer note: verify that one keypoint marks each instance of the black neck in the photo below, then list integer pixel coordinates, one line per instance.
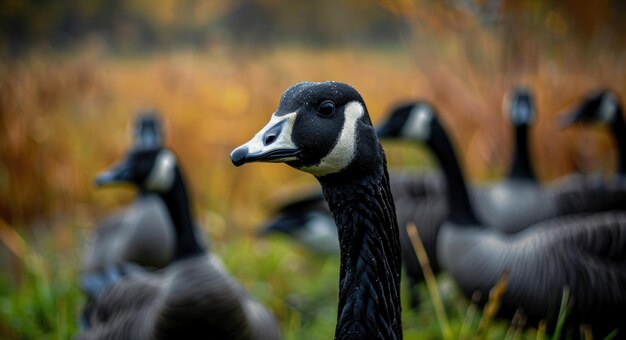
(619, 133)
(369, 287)
(178, 205)
(461, 211)
(521, 167)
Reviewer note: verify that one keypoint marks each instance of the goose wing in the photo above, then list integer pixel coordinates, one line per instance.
(203, 298)
(123, 309)
(98, 248)
(586, 196)
(593, 251)
(189, 298)
(584, 253)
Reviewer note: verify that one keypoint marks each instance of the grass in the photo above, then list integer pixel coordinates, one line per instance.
(299, 287)
(44, 304)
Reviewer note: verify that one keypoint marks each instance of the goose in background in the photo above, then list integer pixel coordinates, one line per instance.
(306, 220)
(586, 254)
(525, 202)
(603, 107)
(507, 203)
(193, 296)
(324, 129)
(139, 235)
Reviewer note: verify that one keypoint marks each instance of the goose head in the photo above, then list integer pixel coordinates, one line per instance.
(147, 131)
(520, 107)
(319, 128)
(316, 230)
(307, 221)
(412, 121)
(599, 106)
(150, 169)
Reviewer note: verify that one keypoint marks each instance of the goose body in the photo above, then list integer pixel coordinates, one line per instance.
(584, 253)
(512, 205)
(194, 296)
(140, 233)
(324, 129)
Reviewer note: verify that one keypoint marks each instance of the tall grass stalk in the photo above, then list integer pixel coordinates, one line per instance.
(431, 281)
(563, 314)
(493, 305)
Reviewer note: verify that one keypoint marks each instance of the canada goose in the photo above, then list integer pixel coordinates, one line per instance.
(520, 105)
(193, 296)
(584, 253)
(140, 234)
(518, 200)
(324, 129)
(514, 204)
(603, 107)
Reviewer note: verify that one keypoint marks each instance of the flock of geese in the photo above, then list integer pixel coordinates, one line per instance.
(148, 273)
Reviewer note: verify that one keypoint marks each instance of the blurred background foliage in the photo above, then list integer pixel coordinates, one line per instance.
(73, 73)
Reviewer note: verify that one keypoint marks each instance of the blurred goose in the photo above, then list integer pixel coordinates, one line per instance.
(584, 253)
(603, 107)
(139, 234)
(308, 221)
(512, 203)
(324, 129)
(194, 296)
(519, 201)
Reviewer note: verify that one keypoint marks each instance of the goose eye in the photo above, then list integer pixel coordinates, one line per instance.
(326, 108)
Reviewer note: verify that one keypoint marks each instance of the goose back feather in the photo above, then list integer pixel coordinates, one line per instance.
(584, 253)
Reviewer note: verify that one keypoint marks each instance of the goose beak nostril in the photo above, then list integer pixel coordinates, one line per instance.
(269, 139)
(271, 135)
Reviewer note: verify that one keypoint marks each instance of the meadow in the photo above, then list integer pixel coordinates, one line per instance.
(65, 117)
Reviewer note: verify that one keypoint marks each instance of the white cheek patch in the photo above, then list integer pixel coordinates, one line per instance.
(161, 176)
(344, 151)
(608, 108)
(417, 126)
(283, 141)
